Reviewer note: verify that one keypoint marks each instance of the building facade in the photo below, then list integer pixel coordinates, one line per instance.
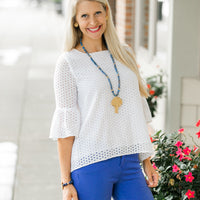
(167, 33)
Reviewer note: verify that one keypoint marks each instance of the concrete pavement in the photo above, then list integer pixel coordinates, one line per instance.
(31, 40)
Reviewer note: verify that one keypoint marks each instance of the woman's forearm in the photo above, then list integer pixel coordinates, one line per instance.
(64, 152)
(147, 161)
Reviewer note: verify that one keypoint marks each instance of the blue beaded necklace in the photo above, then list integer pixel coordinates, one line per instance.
(117, 101)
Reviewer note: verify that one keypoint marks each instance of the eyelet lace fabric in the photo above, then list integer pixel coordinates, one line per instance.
(83, 109)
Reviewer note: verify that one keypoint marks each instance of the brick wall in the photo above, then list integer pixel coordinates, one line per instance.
(146, 24)
(113, 8)
(125, 20)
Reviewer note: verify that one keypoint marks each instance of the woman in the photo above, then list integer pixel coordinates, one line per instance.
(101, 116)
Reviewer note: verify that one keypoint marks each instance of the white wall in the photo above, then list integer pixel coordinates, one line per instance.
(190, 108)
(183, 105)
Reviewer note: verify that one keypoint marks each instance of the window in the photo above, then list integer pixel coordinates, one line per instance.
(151, 29)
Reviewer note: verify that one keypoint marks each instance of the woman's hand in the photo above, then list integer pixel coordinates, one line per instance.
(151, 173)
(69, 193)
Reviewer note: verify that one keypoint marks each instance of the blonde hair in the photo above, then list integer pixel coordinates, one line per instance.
(122, 53)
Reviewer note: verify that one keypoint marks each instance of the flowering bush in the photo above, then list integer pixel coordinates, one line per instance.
(178, 166)
(156, 88)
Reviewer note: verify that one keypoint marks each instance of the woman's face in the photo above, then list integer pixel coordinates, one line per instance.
(91, 17)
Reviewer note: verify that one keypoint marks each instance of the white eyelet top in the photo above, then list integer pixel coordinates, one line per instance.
(83, 109)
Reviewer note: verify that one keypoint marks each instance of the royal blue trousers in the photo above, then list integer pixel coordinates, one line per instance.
(119, 177)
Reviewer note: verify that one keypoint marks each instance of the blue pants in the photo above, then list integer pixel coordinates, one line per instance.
(119, 177)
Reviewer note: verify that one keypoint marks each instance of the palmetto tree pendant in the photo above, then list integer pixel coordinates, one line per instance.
(116, 102)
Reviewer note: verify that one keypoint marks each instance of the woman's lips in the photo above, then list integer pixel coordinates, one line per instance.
(94, 30)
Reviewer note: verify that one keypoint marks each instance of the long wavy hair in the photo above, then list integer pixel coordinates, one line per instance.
(122, 53)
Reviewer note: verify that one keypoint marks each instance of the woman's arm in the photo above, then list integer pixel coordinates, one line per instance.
(151, 173)
(66, 121)
(64, 151)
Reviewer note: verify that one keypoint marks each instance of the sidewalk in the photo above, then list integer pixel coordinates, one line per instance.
(30, 43)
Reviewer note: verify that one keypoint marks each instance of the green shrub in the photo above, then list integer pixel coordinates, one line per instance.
(178, 166)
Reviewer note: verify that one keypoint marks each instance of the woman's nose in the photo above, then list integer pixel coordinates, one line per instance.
(93, 21)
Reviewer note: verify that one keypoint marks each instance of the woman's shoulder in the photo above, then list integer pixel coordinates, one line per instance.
(63, 60)
(66, 59)
(65, 55)
(73, 53)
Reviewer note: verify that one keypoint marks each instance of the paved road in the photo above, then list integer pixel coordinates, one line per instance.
(31, 40)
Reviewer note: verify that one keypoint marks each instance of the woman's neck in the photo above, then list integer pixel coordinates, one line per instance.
(93, 45)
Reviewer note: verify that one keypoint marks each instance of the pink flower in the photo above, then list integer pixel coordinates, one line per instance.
(181, 157)
(187, 158)
(179, 143)
(181, 130)
(189, 177)
(186, 151)
(198, 134)
(152, 140)
(198, 124)
(148, 86)
(179, 152)
(154, 165)
(152, 92)
(157, 66)
(195, 148)
(171, 154)
(190, 194)
(175, 168)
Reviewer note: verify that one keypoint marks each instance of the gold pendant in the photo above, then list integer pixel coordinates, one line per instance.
(116, 102)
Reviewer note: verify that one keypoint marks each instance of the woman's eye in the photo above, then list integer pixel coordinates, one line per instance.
(84, 16)
(99, 12)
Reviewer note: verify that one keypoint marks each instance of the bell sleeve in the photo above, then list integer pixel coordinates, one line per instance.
(146, 110)
(66, 117)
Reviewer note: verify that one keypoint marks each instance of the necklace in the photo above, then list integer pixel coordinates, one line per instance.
(117, 101)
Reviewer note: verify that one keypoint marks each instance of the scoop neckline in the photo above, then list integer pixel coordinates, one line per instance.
(90, 53)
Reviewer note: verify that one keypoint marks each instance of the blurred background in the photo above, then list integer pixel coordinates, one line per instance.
(165, 35)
